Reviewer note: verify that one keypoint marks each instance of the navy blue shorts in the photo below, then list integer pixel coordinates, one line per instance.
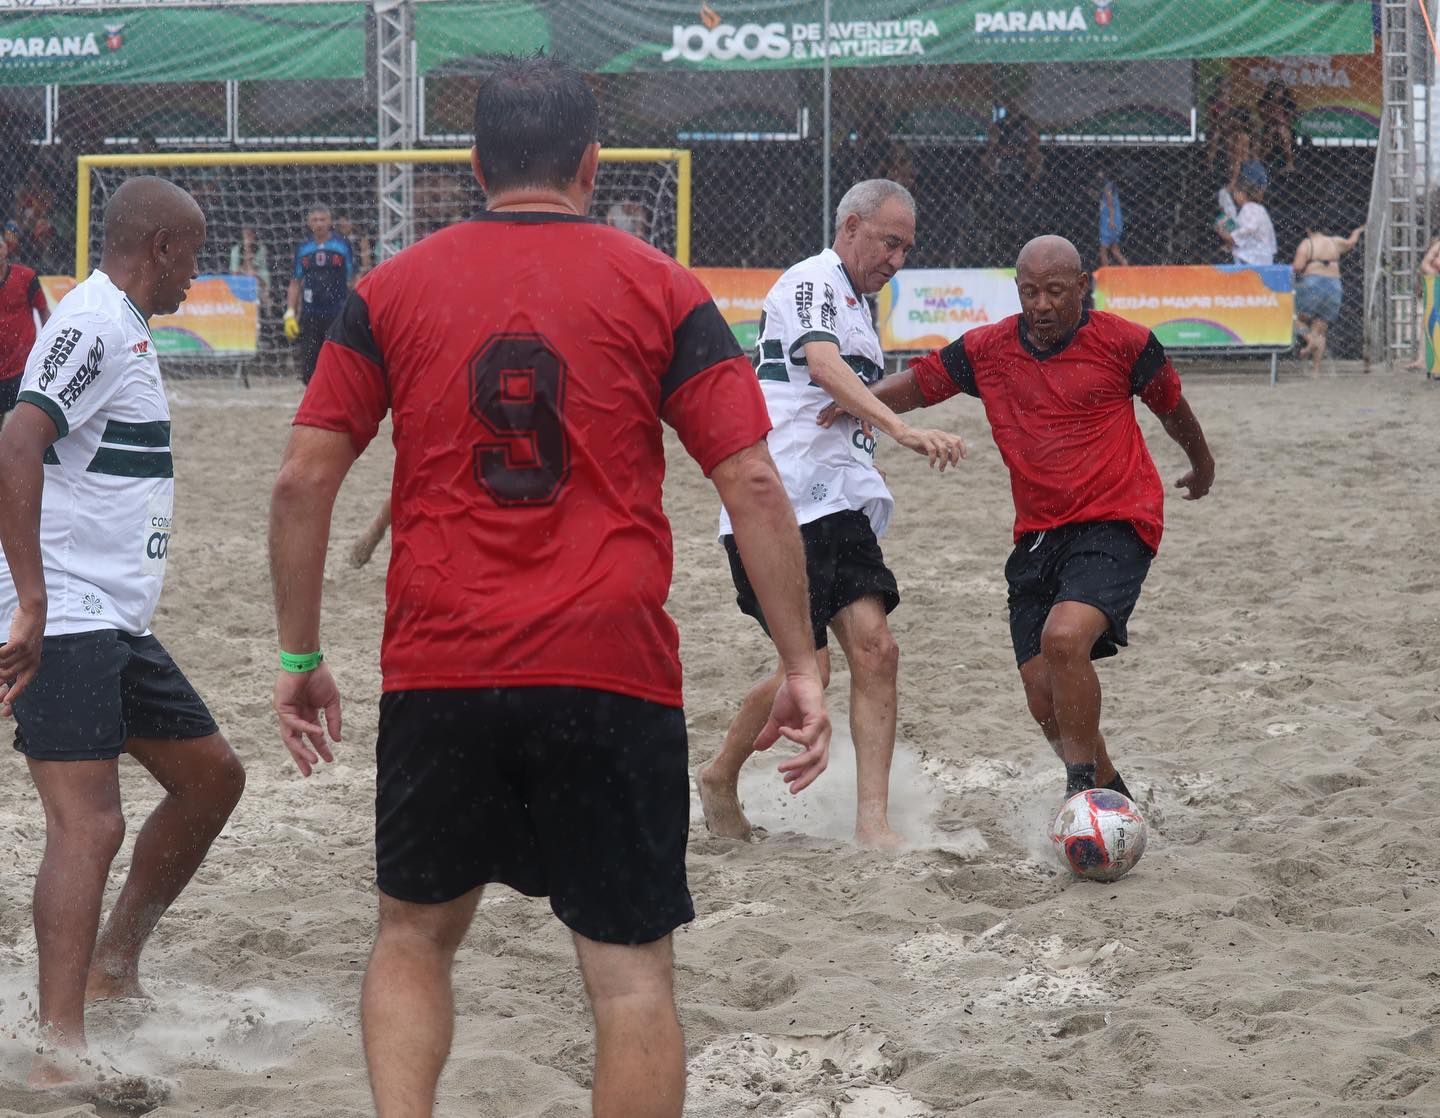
(96, 690)
(1102, 563)
(843, 563)
(579, 795)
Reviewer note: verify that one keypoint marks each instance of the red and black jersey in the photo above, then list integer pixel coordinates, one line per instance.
(1063, 418)
(20, 297)
(526, 360)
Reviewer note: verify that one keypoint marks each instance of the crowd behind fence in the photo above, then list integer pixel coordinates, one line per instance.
(759, 164)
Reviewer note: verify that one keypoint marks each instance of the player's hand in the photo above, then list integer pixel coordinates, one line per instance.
(300, 697)
(799, 715)
(831, 412)
(942, 448)
(1198, 481)
(292, 326)
(20, 655)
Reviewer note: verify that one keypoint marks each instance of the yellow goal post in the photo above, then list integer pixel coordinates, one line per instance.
(645, 190)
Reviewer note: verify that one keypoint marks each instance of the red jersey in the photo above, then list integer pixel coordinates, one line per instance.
(1063, 418)
(20, 297)
(526, 360)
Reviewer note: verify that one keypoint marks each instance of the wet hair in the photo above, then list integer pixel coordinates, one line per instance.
(866, 198)
(534, 118)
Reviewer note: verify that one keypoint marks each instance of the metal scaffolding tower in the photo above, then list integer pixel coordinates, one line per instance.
(1397, 212)
(395, 98)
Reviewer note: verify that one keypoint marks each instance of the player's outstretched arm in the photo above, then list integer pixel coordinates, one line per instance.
(316, 462)
(769, 543)
(1182, 426)
(23, 441)
(872, 408)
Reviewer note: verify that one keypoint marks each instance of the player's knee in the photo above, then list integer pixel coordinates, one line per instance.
(878, 655)
(1064, 644)
(98, 833)
(228, 781)
(438, 928)
(1041, 703)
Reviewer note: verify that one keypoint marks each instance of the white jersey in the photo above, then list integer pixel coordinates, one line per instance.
(106, 513)
(825, 469)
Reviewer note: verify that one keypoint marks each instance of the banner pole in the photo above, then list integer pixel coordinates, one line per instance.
(825, 130)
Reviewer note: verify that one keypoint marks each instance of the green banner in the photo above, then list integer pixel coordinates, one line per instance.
(184, 44)
(630, 35)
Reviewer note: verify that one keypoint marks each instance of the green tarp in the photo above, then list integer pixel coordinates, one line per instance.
(184, 44)
(628, 35)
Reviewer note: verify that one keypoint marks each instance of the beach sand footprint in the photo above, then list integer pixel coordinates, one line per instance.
(846, 1074)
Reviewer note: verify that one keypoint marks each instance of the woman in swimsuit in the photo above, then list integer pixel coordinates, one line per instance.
(1317, 287)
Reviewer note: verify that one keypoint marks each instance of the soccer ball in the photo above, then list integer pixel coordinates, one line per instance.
(1099, 834)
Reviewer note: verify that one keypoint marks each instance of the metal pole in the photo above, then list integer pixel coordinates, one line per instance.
(825, 129)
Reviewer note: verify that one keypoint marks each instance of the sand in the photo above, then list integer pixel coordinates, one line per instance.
(1273, 954)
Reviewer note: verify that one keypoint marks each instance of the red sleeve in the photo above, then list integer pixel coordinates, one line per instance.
(1162, 394)
(349, 391)
(1152, 377)
(932, 379)
(719, 412)
(709, 392)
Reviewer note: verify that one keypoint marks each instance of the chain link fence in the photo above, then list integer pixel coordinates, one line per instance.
(994, 151)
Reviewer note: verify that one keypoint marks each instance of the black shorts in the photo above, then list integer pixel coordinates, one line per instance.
(579, 795)
(1102, 563)
(842, 562)
(9, 393)
(95, 690)
(313, 329)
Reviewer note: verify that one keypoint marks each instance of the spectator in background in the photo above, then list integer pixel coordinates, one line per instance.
(249, 257)
(1317, 287)
(1276, 109)
(898, 165)
(1244, 223)
(630, 217)
(21, 299)
(1013, 168)
(1429, 266)
(361, 247)
(319, 286)
(1112, 221)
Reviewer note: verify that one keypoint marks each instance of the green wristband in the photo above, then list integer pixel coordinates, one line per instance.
(304, 662)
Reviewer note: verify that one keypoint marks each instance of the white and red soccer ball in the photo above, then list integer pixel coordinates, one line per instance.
(1099, 834)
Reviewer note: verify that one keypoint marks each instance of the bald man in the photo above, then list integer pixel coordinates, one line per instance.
(1056, 382)
(86, 511)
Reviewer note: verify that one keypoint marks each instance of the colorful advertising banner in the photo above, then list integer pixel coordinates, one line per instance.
(220, 315)
(241, 41)
(1204, 306)
(1430, 326)
(926, 308)
(630, 35)
(740, 294)
(56, 288)
(1333, 97)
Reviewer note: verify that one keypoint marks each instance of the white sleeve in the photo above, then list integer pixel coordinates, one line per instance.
(805, 309)
(73, 370)
(1226, 202)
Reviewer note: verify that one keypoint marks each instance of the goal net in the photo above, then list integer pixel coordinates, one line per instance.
(257, 204)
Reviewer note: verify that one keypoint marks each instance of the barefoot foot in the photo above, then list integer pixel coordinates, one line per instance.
(105, 982)
(720, 800)
(879, 837)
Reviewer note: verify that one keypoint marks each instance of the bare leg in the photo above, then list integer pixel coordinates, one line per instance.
(203, 780)
(1317, 344)
(407, 1005)
(1035, 675)
(874, 658)
(1120, 257)
(1070, 632)
(364, 547)
(718, 779)
(639, 1049)
(84, 828)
